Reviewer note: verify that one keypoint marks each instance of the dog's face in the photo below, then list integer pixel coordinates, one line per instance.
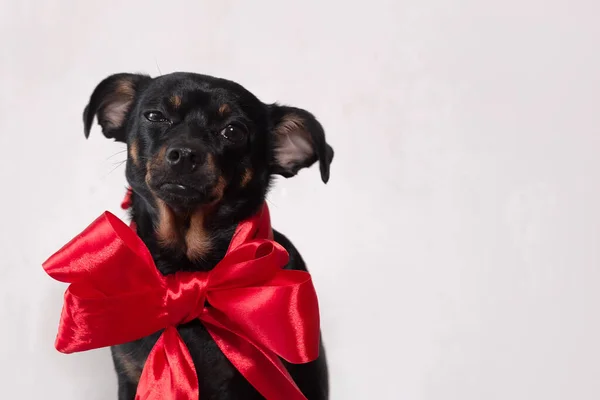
(196, 141)
(194, 137)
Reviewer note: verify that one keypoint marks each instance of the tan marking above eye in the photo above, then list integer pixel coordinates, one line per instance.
(175, 101)
(224, 110)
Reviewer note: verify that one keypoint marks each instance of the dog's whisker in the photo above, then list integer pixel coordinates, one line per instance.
(117, 166)
(271, 202)
(157, 67)
(118, 152)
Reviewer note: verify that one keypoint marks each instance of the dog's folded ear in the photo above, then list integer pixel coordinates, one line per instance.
(299, 141)
(111, 101)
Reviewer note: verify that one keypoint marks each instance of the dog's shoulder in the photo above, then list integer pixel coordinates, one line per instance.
(296, 262)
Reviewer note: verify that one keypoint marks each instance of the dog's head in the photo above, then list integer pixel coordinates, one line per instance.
(197, 142)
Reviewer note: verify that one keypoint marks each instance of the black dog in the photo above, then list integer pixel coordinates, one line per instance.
(201, 154)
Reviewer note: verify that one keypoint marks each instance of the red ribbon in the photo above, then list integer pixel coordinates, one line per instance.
(258, 312)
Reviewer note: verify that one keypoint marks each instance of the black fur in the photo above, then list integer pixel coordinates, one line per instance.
(231, 144)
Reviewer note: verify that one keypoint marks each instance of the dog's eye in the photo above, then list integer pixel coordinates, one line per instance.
(155, 116)
(234, 133)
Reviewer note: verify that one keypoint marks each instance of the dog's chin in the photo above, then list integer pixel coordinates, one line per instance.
(181, 197)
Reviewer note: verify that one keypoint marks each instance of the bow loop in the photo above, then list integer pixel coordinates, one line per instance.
(186, 296)
(107, 254)
(281, 315)
(249, 264)
(90, 320)
(111, 273)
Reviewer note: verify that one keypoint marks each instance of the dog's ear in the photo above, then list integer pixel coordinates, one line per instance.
(299, 141)
(111, 101)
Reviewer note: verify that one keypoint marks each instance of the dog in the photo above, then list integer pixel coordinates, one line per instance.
(201, 155)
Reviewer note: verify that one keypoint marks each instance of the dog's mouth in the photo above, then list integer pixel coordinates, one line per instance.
(182, 195)
(180, 190)
(185, 191)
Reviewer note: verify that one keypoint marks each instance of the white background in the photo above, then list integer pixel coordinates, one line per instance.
(455, 249)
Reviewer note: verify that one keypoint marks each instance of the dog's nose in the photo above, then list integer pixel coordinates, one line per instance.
(182, 159)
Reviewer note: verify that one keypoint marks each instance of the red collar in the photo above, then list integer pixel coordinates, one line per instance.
(126, 203)
(259, 312)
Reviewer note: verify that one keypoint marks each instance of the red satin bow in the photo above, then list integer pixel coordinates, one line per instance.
(258, 312)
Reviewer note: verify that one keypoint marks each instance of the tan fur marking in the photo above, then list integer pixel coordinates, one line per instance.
(127, 365)
(247, 177)
(157, 160)
(219, 190)
(148, 173)
(175, 100)
(224, 110)
(210, 161)
(197, 238)
(134, 152)
(167, 230)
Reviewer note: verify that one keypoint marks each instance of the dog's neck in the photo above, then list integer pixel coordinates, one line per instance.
(182, 241)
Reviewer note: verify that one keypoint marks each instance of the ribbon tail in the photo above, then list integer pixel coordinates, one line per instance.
(263, 369)
(169, 372)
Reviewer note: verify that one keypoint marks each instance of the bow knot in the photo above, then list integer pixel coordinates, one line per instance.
(186, 296)
(259, 313)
